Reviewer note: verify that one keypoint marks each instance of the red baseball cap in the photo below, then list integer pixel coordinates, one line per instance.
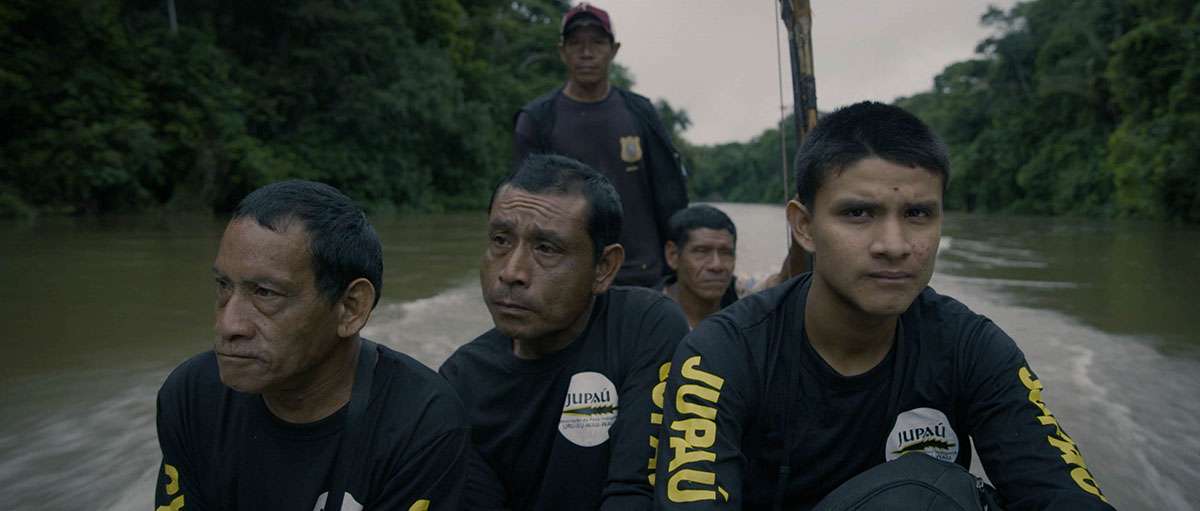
(586, 14)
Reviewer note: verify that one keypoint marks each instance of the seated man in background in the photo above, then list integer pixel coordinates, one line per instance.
(702, 254)
(292, 409)
(559, 392)
(785, 395)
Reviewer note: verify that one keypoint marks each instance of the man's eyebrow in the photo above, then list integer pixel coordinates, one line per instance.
(932, 204)
(547, 235)
(855, 203)
(257, 280)
(500, 224)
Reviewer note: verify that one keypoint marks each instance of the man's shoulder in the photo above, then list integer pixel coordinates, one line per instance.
(642, 307)
(633, 97)
(402, 370)
(198, 376)
(950, 317)
(536, 105)
(756, 309)
(484, 350)
(747, 324)
(413, 393)
(949, 326)
(628, 299)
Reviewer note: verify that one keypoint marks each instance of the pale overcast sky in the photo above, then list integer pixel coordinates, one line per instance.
(716, 58)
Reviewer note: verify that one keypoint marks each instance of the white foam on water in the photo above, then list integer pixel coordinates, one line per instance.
(1131, 408)
(82, 455)
(98, 449)
(430, 329)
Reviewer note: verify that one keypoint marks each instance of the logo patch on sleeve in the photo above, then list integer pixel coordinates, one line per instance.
(589, 410)
(922, 430)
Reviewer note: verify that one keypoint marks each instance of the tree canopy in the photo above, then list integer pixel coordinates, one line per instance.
(1070, 107)
(400, 104)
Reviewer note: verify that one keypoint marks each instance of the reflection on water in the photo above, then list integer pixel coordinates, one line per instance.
(1120, 276)
(95, 312)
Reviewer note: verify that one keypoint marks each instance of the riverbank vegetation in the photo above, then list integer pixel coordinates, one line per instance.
(1088, 107)
(403, 104)
(1070, 107)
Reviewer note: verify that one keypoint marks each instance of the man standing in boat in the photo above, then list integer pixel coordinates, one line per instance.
(785, 395)
(292, 409)
(613, 131)
(559, 392)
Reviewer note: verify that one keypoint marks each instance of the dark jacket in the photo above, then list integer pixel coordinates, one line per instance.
(663, 165)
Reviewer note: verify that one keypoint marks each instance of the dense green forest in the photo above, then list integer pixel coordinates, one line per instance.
(401, 104)
(1070, 107)
(1087, 107)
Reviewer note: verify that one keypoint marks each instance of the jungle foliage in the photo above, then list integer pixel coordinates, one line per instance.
(400, 104)
(1087, 107)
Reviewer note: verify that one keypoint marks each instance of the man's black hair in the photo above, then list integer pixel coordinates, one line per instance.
(341, 241)
(864, 130)
(559, 175)
(699, 216)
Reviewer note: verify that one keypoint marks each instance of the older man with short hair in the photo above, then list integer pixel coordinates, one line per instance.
(564, 394)
(292, 409)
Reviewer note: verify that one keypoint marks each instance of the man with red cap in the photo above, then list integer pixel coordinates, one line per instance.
(613, 131)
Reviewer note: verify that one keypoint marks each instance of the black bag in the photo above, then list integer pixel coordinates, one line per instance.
(913, 481)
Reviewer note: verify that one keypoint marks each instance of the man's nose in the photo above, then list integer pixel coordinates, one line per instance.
(233, 318)
(891, 240)
(714, 262)
(514, 270)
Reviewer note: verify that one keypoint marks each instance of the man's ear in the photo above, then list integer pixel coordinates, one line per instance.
(800, 223)
(616, 47)
(607, 267)
(562, 53)
(355, 306)
(672, 253)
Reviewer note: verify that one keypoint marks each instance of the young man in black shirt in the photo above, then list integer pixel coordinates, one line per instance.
(783, 396)
(292, 409)
(614, 131)
(559, 393)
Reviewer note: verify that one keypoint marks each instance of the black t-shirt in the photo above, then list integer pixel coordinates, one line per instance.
(952, 378)
(573, 430)
(224, 449)
(605, 135)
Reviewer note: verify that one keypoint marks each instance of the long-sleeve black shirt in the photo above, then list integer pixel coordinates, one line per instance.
(952, 378)
(571, 430)
(223, 449)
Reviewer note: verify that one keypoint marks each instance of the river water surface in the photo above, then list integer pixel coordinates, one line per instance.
(95, 312)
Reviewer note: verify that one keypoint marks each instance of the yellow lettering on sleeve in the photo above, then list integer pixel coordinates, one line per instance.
(1059, 440)
(691, 371)
(699, 433)
(172, 486)
(420, 505)
(176, 505)
(677, 494)
(704, 393)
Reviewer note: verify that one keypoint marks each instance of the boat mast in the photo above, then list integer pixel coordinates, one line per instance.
(797, 17)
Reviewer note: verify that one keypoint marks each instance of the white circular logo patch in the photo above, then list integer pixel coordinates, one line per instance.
(923, 430)
(348, 502)
(589, 410)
